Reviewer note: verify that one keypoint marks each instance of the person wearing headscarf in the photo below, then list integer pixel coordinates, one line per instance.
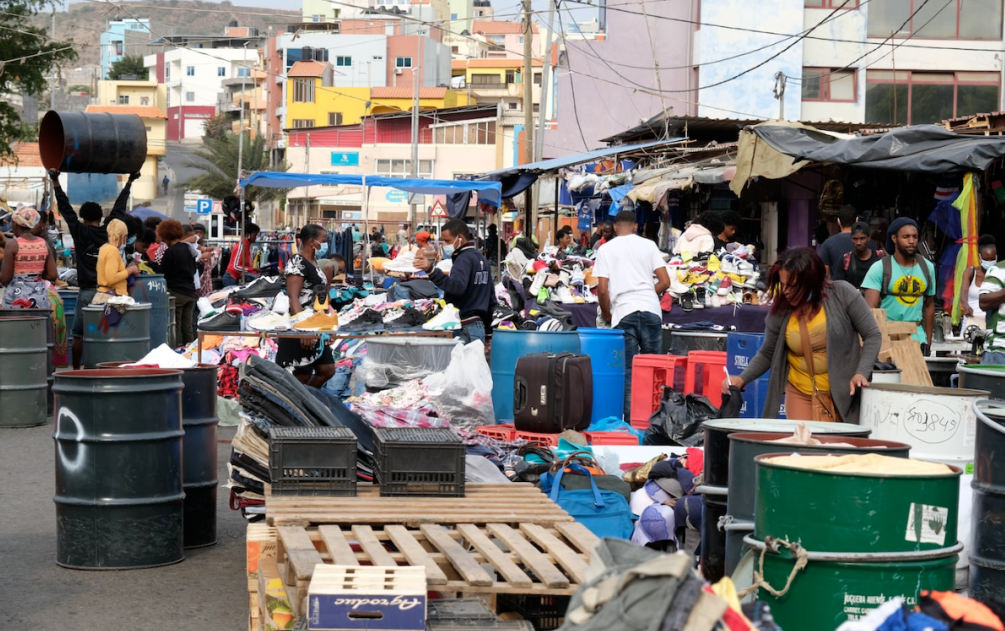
(27, 264)
(113, 275)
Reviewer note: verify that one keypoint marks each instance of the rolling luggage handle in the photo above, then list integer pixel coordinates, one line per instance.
(519, 394)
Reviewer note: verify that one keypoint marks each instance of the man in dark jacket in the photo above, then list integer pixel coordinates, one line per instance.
(469, 285)
(89, 234)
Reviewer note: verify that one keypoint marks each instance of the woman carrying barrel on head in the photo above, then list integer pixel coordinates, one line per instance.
(811, 343)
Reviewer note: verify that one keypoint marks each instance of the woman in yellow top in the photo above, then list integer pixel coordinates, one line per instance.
(113, 274)
(811, 343)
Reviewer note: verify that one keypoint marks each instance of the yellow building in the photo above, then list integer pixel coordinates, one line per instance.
(155, 121)
(312, 102)
(498, 80)
(141, 93)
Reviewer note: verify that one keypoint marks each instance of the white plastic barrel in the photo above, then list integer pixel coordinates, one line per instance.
(938, 423)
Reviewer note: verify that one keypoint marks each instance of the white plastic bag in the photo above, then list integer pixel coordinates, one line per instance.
(463, 392)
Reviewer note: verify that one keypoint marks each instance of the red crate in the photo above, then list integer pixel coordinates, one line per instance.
(706, 370)
(499, 432)
(612, 438)
(649, 374)
(548, 440)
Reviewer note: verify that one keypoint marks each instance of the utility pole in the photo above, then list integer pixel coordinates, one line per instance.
(780, 79)
(307, 168)
(52, 81)
(528, 111)
(416, 86)
(545, 84)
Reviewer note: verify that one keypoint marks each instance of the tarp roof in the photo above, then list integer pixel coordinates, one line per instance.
(923, 148)
(554, 164)
(487, 191)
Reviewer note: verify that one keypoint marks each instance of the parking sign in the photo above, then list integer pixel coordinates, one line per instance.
(204, 206)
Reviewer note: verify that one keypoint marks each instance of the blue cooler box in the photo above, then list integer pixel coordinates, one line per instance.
(754, 396)
(740, 349)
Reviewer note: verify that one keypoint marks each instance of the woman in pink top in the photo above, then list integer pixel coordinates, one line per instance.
(27, 264)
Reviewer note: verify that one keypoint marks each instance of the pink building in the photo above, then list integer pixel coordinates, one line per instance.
(506, 38)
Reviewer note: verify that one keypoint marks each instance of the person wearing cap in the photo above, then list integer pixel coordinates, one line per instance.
(854, 265)
(903, 285)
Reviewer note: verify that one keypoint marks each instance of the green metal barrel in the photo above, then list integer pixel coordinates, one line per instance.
(23, 371)
(118, 459)
(867, 538)
(50, 343)
(984, 377)
(127, 341)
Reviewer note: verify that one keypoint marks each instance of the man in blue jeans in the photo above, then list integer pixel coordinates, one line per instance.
(629, 299)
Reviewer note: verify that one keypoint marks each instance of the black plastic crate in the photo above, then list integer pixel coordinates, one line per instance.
(464, 611)
(312, 461)
(419, 461)
(546, 613)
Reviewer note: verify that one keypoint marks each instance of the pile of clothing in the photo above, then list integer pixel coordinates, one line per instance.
(714, 279)
(935, 611)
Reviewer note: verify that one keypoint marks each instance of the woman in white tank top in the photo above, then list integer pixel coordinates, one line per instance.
(972, 280)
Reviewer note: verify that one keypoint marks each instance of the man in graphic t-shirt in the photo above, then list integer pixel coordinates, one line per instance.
(909, 295)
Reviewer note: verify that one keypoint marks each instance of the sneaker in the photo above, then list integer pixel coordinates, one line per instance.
(448, 320)
(716, 301)
(269, 322)
(725, 287)
(221, 322)
(713, 263)
(699, 297)
(320, 321)
(687, 302)
(577, 275)
(205, 307)
(281, 304)
(564, 295)
(410, 318)
(538, 283)
(263, 286)
(369, 320)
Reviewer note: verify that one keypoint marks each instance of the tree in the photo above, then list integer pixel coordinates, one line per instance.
(218, 161)
(29, 55)
(218, 126)
(86, 89)
(128, 65)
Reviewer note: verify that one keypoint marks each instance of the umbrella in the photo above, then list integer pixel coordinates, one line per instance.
(145, 212)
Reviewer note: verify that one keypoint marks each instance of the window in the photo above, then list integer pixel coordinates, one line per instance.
(455, 50)
(403, 168)
(474, 133)
(403, 62)
(123, 99)
(149, 128)
(496, 41)
(510, 76)
(537, 108)
(913, 98)
(960, 19)
(317, 18)
(144, 100)
(244, 72)
(119, 50)
(825, 84)
(485, 79)
(221, 71)
(521, 39)
(302, 123)
(830, 4)
(303, 90)
(343, 61)
(190, 71)
(537, 78)
(190, 97)
(513, 105)
(167, 72)
(334, 118)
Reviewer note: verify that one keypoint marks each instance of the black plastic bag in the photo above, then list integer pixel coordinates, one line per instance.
(732, 404)
(678, 420)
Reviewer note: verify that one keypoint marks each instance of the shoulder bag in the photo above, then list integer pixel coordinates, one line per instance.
(604, 513)
(823, 403)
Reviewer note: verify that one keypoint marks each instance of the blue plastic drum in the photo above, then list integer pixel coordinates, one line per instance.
(606, 348)
(152, 288)
(509, 346)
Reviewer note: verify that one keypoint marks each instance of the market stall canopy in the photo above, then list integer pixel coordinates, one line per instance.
(487, 191)
(919, 148)
(516, 180)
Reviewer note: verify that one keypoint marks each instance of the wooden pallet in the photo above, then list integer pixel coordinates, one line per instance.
(526, 559)
(513, 504)
(899, 347)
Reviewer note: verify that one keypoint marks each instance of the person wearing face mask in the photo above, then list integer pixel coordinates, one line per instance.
(469, 285)
(309, 358)
(113, 275)
(973, 278)
(209, 258)
(811, 343)
(179, 274)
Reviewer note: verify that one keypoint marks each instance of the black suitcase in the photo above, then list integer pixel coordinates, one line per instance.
(552, 393)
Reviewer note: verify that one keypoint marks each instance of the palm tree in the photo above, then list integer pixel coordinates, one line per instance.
(218, 161)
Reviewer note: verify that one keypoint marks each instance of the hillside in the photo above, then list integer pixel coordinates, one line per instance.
(85, 21)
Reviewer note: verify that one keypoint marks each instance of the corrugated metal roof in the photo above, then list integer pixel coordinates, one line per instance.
(696, 126)
(406, 93)
(143, 111)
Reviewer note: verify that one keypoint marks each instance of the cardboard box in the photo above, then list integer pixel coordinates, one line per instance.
(276, 609)
(261, 543)
(370, 598)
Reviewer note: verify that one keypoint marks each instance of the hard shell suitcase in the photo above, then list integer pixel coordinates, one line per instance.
(552, 392)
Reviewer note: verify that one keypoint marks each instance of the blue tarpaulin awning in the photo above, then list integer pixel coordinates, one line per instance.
(487, 191)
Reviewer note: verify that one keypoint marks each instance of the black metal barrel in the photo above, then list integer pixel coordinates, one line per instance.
(987, 550)
(22, 371)
(118, 444)
(984, 377)
(75, 142)
(199, 420)
(50, 343)
(127, 341)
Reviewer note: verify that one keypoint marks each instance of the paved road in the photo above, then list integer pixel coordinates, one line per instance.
(177, 155)
(207, 591)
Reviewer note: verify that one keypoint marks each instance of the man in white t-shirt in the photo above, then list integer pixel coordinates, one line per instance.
(629, 299)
